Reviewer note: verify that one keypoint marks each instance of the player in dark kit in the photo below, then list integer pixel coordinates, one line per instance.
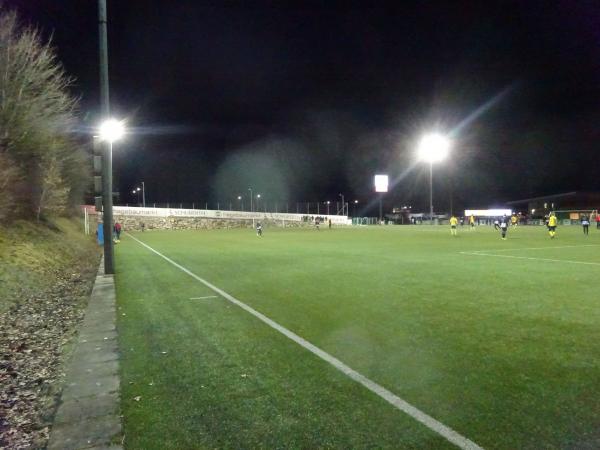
(503, 227)
(258, 229)
(585, 222)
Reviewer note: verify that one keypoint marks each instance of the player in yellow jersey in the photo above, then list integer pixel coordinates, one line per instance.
(472, 221)
(552, 223)
(453, 223)
(514, 221)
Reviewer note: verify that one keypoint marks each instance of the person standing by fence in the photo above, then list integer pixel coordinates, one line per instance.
(118, 231)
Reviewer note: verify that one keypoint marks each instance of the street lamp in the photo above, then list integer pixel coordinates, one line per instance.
(110, 130)
(137, 192)
(433, 148)
(354, 208)
(257, 200)
(328, 202)
(241, 204)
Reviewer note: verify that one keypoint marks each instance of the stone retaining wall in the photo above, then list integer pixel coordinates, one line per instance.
(197, 223)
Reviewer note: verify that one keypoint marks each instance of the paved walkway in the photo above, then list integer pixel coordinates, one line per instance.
(88, 416)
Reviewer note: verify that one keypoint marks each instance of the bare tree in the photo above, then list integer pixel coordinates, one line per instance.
(36, 114)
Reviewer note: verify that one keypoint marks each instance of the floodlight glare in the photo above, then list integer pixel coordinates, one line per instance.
(433, 148)
(381, 183)
(111, 130)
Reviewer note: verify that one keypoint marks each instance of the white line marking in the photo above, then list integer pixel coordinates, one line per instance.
(431, 423)
(534, 259)
(202, 298)
(535, 248)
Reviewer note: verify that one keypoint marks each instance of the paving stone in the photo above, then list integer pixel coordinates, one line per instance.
(88, 329)
(75, 409)
(101, 369)
(103, 345)
(99, 336)
(96, 357)
(98, 431)
(90, 386)
(111, 447)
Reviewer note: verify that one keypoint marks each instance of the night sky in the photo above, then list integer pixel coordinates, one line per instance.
(305, 100)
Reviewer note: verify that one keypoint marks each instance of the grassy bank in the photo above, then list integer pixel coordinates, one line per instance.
(46, 275)
(32, 254)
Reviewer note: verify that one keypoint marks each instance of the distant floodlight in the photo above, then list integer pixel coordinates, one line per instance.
(239, 197)
(133, 192)
(355, 201)
(381, 183)
(433, 148)
(138, 189)
(111, 130)
(258, 196)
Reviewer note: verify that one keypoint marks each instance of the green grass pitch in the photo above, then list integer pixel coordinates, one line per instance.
(498, 340)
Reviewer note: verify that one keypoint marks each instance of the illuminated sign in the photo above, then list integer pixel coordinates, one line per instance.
(381, 183)
(488, 212)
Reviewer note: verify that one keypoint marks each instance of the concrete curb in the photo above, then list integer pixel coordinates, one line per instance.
(88, 416)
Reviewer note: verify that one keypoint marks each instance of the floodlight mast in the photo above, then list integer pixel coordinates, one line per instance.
(107, 211)
(433, 148)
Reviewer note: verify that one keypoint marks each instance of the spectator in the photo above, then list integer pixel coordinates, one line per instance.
(117, 231)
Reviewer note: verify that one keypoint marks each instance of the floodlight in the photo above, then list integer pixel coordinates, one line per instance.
(111, 130)
(381, 183)
(239, 197)
(433, 148)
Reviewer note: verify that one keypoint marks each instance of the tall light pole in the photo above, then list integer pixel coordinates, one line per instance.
(109, 254)
(241, 204)
(342, 195)
(354, 208)
(257, 200)
(251, 205)
(111, 130)
(433, 148)
(143, 194)
(328, 202)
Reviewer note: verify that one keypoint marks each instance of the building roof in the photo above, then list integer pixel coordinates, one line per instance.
(551, 197)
